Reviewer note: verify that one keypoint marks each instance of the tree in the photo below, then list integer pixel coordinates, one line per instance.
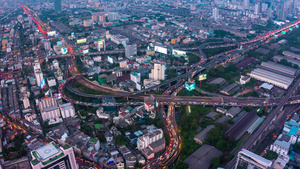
(137, 165)
(181, 165)
(120, 140)
(215, 162)
(270, 155)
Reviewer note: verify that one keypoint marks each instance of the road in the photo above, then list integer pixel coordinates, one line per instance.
(266, 123)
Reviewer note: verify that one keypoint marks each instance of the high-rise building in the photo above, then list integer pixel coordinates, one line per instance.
(26, 102)
(282, 14)
(246, 4)
(49, 109)
(130, 50)
(256, 9)
(20, 31)
(57, 6)
(39, 76)
(53, 156)
(36, 65)
(67, 110)
(145, 140)
(47, 45)
(112, 16)
(158, 72)
(102, 17)
(101, 45)
(270, 13)
(216, 14)
(264, 7)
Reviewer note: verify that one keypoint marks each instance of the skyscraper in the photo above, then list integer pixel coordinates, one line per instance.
(158, 72)
(216, 14)
(57, 6)
(20, 31)
(257, 9)
(130, 50)
(246, 4)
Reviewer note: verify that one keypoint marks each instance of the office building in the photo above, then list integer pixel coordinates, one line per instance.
(98, 17)
(130, 50)
(101, 45)
(26, 102)
(55, 64)
(102, 17)
(246, 4)
(57, 6)
(53, 156)
(49, 109)
(256, 9)
(47, 45)
(38, 76)
(51, 81)
(36, 65)
(145, 140)
(216, 14)
(112, 16)
(252, 160)
(20, 31)
(135, 77)
(67, 110)
(158, 72)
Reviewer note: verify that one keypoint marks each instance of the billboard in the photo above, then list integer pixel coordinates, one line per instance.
(110, 60)
(64, 50)
(101, 43)
(81, 41)
(58, 43)
(179, 53)
(161, 49)
(202, 77)
(42, 84)
(86, 51)
(190, 87)
(52, 33)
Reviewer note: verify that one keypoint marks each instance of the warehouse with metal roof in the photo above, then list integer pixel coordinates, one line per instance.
(291, 54)
(276, 74)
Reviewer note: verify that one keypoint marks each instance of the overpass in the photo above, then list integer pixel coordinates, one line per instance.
(267, 123)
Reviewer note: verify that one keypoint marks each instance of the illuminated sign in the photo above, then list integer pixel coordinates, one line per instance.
(160, 49)
(297, 26)
(42, 84)
(202, 77)
(190, 87)
(101, 43)
(64, 50)
(86, 51)
(110, 60)
(81, 41)
(179, 53)
(52, 33)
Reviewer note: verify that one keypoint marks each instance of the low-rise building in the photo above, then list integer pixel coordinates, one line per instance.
(200, 138)
(280, 147)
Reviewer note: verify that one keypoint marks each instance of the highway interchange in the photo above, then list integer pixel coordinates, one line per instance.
(173, 149)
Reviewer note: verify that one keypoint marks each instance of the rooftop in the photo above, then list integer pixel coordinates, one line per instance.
(202, 157)
(47, 151)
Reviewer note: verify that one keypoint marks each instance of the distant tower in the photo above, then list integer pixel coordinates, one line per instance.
(57, 6)
(20, 31)
(246, 4)
(257, 9)
(216, 14)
